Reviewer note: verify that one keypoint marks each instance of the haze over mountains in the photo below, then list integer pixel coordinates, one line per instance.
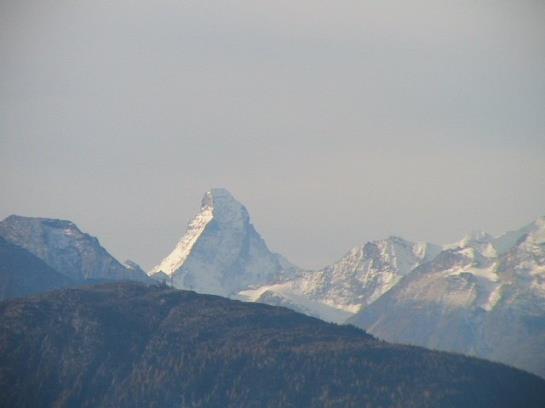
(482, 296)
(462, 297)
(56, 248)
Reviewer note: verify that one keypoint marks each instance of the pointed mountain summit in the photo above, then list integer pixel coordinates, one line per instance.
(221, 253)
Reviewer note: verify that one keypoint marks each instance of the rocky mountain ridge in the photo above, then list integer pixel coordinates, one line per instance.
(482, 296)
(419, 293)
(65, 249)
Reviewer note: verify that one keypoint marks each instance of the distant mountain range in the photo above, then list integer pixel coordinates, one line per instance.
(39, 254)
(134, 345)
(482, 296)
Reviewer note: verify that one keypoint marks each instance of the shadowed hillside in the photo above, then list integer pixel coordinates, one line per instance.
(22, 273)
(132, 345)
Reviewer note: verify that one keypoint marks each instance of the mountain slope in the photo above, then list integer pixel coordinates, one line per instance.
(62, 246)
(221, 252)
(129, 345)
(22, 273)
(359, 278)
(483, 296)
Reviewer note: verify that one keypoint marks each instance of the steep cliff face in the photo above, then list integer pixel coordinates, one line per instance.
(221, 252)
(62, 246)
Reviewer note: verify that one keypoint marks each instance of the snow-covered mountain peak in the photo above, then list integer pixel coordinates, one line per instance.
(396, 253)
(361, 276)
(481, 295)
(218, 205)
(195, 228)
(221, 252)
(224, 207)
(65, 248)
(218, 196)
(396, 239)
(474, 244)
(18, 221)
(476, 237)
(32, 231)
(531, 233)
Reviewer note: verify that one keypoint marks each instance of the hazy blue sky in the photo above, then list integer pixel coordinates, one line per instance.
(335, 122)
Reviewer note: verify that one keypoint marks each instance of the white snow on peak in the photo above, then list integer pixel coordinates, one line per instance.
(221, 253)
(491, 246)
(360, 277)
(217, 204)
(195, 228)
(288, 294)
(228, 257)
(476, 237)
(475, 240)
(534, 231)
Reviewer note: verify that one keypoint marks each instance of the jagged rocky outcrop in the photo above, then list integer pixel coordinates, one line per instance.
(132, 345)
(483, 296)
(221, 252)
(359, 278)
(134, 267)
(67, 250)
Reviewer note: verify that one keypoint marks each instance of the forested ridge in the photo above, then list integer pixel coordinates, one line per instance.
(132, 345)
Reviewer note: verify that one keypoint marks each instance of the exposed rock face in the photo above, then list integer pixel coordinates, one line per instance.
(134, 267)
(221, 253)
(483, 296)
(62, 246)
(367, 272)
(359, 278)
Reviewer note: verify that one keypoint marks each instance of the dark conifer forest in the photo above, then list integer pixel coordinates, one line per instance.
(133, 345)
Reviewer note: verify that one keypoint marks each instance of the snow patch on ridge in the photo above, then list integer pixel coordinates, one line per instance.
(286, 294)
(177, 257)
